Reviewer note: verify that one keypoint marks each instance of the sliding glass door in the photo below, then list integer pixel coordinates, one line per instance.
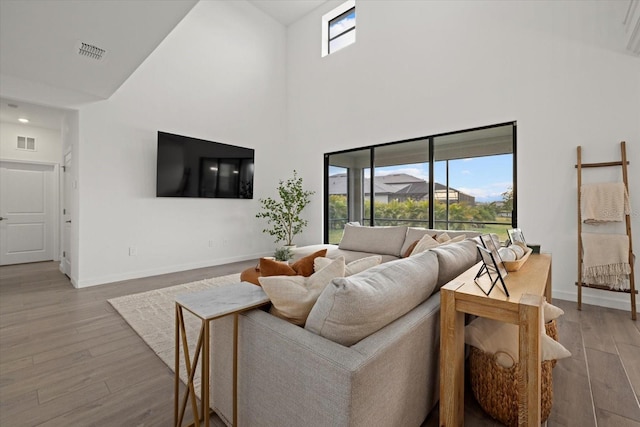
(460, 181)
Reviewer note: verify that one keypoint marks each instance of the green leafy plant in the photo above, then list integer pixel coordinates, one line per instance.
(283, 254)
(283, 216)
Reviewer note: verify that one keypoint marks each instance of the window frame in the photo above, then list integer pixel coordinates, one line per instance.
(431, 159)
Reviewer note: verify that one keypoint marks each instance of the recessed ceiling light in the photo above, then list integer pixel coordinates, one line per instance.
(23, 120)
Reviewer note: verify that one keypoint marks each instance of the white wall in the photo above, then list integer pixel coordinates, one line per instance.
(220, 75)
(421, 68)
(48, 143)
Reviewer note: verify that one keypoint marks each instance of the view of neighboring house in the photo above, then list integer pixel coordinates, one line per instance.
(400, 187)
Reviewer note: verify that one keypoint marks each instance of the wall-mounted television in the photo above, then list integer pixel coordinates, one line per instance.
(191, 167)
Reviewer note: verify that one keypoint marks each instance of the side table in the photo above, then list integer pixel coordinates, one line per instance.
(207, 306)
(527, 287)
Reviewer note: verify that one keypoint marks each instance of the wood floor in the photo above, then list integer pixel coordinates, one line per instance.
(68, 359)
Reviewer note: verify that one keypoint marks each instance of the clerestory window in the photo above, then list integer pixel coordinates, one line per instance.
(339, 28)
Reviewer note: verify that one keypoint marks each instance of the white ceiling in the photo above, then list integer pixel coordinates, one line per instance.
(39, 39)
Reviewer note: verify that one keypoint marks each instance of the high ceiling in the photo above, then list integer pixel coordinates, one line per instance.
(40, 41)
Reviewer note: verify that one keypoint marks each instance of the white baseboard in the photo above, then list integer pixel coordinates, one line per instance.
(602, 298)
(84, 283)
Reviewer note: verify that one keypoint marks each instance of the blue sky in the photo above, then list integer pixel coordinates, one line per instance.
(485, 178)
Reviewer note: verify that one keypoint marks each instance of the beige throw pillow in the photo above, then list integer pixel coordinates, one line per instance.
(293, 297)
(444, 237)
(427, 242)
(353, 267)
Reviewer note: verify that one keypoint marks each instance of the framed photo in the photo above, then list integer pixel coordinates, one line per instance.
(490, 267)
(490, 245)
(515, 235)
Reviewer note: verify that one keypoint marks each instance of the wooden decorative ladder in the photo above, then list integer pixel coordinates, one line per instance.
(622, 163)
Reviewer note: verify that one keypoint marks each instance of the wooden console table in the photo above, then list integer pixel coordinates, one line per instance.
(207, 306)
(527, 288)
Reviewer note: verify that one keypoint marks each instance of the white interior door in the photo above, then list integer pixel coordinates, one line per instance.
(66, 216)
(26, 209)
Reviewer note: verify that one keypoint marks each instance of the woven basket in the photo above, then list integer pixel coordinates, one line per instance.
(496, 387)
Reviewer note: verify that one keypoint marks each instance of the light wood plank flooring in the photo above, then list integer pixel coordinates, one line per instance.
(68, 359)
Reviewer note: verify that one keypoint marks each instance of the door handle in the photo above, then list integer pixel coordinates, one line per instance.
(68, 222)
(1, 218)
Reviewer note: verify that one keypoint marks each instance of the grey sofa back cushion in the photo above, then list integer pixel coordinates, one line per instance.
(454, 259)
(352, 308)
(377, 240)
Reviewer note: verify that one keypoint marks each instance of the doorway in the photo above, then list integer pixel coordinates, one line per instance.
(28, 201)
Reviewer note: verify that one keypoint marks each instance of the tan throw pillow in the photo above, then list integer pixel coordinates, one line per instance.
(270, 267)
(304, 266)
(293, 297)
(427, 242)
(353, 267)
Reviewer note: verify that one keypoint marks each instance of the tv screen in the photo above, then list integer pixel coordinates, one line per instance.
(191, 167)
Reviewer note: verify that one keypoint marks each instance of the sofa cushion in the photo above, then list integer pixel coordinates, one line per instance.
(354, 267)
(454, 259)
(292, 297)
(352, 308)
(350, 256)
(376, 240)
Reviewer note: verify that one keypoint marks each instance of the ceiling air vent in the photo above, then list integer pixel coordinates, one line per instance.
(91, 51)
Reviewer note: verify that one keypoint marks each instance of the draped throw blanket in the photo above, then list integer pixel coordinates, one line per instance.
(606, 260)
(604, 202)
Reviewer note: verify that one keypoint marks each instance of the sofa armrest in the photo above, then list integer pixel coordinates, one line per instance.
(290, 376)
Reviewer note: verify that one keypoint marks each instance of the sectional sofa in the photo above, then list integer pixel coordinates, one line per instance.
(368, 353)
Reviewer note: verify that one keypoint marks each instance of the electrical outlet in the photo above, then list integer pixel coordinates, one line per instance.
(133, 251)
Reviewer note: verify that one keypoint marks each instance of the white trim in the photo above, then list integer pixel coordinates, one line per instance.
(350, 4)
(603, 298)
(103, 280)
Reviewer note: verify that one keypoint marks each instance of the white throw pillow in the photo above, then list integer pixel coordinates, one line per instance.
(444, 237)
(293, 297)
(353, 267)
(551, 312)
(492, 336)
(424, 244)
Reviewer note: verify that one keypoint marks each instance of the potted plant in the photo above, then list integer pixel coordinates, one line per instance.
(283, 216)
(283, 254)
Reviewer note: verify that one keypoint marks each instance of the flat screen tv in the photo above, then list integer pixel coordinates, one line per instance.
(191, 167)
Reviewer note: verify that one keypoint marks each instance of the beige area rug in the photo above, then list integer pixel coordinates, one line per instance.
(152, 315)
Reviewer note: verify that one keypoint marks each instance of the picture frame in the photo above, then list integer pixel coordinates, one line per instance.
(490, 267)
(490, 245)
(516, 235)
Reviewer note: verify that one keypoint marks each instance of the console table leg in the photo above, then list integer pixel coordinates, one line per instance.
(451, 361)
(529, 346)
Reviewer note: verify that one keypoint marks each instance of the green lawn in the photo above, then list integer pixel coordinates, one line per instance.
(500, 230)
